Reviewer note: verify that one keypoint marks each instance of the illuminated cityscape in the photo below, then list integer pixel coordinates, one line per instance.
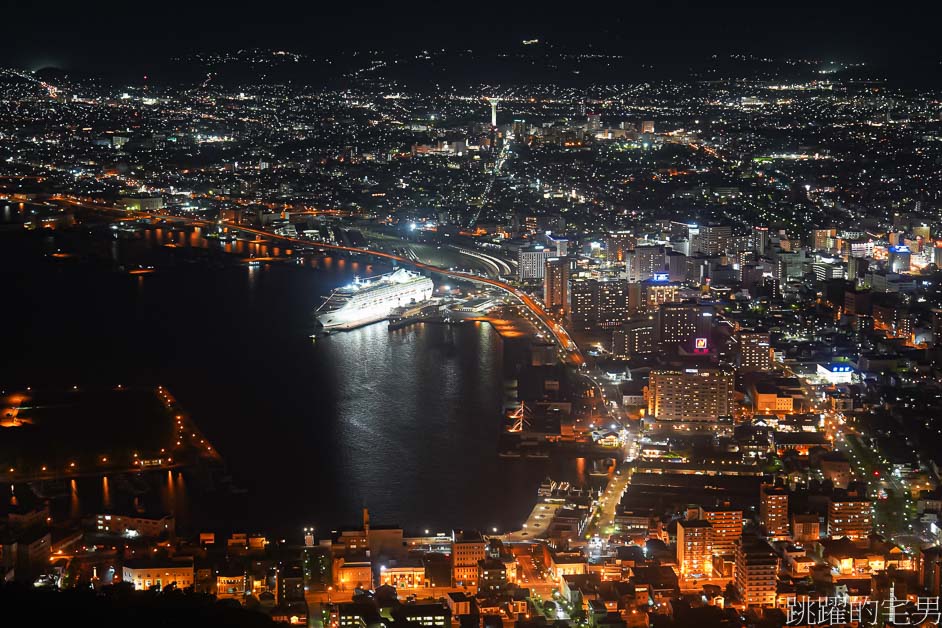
(543, 325)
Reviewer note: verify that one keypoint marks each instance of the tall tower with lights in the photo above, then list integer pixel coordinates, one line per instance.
(493, 102)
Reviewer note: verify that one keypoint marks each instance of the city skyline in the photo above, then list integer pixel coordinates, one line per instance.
(486, 317)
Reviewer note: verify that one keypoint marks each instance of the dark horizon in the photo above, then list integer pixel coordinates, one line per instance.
(112, 37)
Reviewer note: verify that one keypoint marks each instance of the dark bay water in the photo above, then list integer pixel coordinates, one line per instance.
(405, 423)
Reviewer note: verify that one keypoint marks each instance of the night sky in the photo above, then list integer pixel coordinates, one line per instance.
(134, 35)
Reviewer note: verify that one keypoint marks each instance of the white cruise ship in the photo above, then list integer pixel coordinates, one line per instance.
(367, 301)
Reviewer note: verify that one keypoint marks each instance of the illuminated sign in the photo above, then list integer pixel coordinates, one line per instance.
(661, 277)
(700, 345)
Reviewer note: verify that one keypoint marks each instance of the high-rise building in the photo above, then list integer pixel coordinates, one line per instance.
(726, 529)
(697, 395)
(467, 549)
(714, 239)
(647, 126)
(899, 258)
(824, 271)
(687, 325)
(858, 247)
(858, 302)
(558, 246)
(790, 265)
(856, 268)
(583, 303)
(531, 262)
(617, 244)
(612, 302)
(773, 511)
(656, 291)
(636, 337)
(531, 223)
(142, 202)
(755, 350)
(824, 239)
(756, 572)
(598, 303)
(594, 121)
(676, 262)
(643, 262)
(556, 286)
(694, 548)
(849, 515)
(760, 240)
(699, 269)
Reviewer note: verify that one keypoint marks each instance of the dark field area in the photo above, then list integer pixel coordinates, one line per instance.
(94, 429)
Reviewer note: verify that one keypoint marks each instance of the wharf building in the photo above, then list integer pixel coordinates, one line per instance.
(406, 574)
(146, 573)
(152, 526)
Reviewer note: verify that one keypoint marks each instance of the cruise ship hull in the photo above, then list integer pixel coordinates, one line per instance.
(352, 324)
(373, 302)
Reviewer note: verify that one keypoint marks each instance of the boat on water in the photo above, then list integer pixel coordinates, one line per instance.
(370, 300)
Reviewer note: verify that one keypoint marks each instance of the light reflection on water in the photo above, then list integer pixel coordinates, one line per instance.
(404, 422)
(105, 493)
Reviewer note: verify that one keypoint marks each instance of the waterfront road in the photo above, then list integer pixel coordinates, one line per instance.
(603, 524)
(568, 349)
